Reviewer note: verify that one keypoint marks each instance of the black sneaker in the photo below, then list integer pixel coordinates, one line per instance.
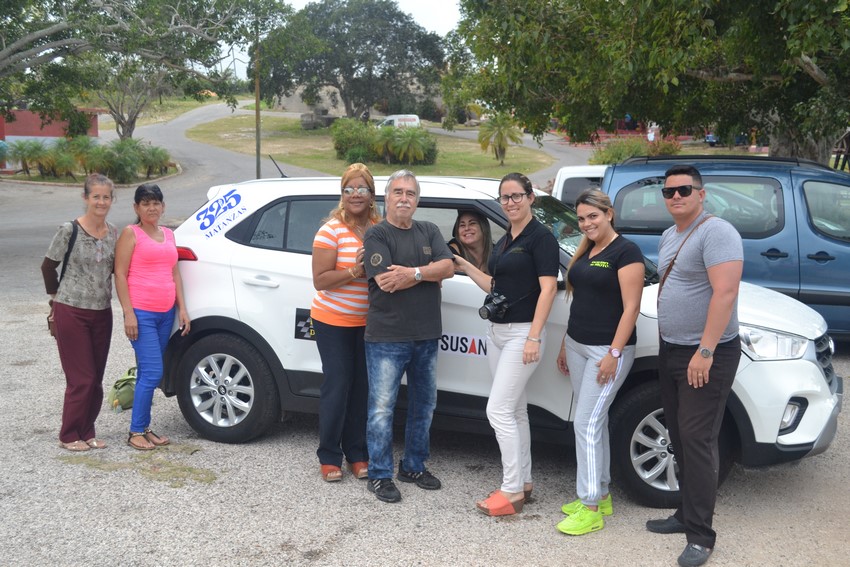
(384, 489)
(422, 479)
(666, 526)
(694, 555)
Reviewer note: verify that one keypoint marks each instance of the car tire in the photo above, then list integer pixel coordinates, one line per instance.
(641, 461)
(225, 389)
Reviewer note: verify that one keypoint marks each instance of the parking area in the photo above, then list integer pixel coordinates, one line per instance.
(264, 503)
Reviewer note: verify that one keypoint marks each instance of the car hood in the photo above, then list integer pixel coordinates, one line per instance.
(760, 307)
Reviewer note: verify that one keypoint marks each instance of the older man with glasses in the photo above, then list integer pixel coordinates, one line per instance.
(701, 260)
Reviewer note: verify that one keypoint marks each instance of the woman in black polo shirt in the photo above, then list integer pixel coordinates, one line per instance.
(524, 269)
(605, 279)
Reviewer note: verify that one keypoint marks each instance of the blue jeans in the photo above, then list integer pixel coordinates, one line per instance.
(387, 362)
(345, 390)
(154, 330)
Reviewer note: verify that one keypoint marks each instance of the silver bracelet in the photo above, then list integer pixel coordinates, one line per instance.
(532, 339)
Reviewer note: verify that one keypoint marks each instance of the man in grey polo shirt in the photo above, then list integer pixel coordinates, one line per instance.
(701, 260)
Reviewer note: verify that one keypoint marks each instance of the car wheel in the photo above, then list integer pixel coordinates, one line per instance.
(642, 458)
(225, 389)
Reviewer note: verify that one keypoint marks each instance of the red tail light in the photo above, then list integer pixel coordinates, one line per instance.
(184, 253)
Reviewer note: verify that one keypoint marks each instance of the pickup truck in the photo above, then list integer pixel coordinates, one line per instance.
(793, 215)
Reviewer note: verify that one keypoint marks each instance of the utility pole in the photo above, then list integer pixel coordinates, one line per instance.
(257, 92)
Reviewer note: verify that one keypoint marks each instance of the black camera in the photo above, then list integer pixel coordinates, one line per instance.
(494, 306)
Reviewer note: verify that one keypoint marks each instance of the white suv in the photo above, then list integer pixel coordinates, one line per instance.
(246, 267)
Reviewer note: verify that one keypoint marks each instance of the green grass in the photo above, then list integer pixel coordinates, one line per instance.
(284, 139)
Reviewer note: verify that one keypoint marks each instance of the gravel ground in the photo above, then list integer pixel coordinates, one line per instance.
(202, 503)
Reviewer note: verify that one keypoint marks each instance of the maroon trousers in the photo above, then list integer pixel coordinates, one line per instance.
(83, 337)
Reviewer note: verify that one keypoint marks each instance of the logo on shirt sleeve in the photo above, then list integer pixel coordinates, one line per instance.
(376, 259)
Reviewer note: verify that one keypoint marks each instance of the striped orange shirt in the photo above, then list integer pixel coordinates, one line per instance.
(344, 306)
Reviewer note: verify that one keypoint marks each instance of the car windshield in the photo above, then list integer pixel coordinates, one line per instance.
(563, 223)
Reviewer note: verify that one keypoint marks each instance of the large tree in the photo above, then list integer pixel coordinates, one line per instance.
(367, 50)
(782, 66)
(43, 37)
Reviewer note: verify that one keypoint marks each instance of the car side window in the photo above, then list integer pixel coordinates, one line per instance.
(828, 208)
(290, 225)
(305, 219)
(753, 205)
(271, 227)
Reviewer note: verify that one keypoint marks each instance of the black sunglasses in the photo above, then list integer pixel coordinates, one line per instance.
(684, 191)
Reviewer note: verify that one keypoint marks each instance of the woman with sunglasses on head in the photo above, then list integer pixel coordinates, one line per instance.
(339, 320)
(523, 271)
(605, 278)
(150, 290)
(81, 299)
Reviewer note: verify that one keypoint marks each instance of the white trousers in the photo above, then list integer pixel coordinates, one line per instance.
(507, 407)
(593, 447)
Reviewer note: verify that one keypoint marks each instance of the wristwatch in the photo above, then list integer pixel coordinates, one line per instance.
(615, 353)
(417, 275)
(706, 353)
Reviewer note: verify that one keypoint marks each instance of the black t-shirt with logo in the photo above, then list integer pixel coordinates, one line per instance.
(516, 264)
(412, 314)
(597, 304)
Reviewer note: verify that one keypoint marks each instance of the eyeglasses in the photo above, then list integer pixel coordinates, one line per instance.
(515, 197)
(356, 190)
(684, 191)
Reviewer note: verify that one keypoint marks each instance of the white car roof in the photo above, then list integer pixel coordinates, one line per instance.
(434, 187)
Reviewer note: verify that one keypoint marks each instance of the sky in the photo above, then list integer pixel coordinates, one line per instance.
(439, 16)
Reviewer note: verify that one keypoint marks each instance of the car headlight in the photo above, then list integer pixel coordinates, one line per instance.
(765, 344)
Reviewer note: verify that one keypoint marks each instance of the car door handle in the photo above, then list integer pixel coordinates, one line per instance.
(261, 281)
(773, 253)
(820, 257)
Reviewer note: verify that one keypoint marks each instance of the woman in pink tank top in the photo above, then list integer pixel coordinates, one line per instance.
(151, 294)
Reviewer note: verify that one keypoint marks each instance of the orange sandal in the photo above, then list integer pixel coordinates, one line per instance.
(497, 504)
(359, 469)
(331, 473)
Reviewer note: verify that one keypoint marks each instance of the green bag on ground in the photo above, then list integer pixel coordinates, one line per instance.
(121, 395)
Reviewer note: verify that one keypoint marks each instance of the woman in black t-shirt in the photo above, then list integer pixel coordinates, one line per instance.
(605, 279)
(523, 267)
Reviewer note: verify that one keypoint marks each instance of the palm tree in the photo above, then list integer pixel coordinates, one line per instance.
(410, 143)
(497, 132)
(384, 143)
(27, 153)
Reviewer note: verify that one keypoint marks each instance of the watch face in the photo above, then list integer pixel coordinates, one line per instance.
(705, 353)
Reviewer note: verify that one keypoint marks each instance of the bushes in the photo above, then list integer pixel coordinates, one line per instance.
(624, 148)
(355, 141)
(123, 161)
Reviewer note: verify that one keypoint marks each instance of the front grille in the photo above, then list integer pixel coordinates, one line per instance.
(823, 349)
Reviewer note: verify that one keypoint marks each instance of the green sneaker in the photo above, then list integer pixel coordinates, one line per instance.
(606, 506)
(581, 522)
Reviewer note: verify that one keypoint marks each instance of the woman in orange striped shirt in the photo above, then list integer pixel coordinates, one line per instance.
(339, 320)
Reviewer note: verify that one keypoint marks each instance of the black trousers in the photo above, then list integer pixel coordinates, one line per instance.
(693, 417)
(344, 394)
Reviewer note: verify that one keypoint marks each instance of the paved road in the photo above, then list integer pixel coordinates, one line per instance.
(207, 504)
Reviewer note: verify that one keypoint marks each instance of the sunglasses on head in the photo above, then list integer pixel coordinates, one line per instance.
(684, 191)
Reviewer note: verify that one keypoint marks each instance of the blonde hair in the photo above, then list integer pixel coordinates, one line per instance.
(598, 200)
(354, 171)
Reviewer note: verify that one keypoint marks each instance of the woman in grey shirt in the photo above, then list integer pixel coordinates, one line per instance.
(82, 310)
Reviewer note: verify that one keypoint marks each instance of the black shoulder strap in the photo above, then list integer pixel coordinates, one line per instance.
(71, 242)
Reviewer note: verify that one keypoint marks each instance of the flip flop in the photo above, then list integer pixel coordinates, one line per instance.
(139, 447)
(497, 504)
(75, 446)
(96, 443)
(158, 440)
